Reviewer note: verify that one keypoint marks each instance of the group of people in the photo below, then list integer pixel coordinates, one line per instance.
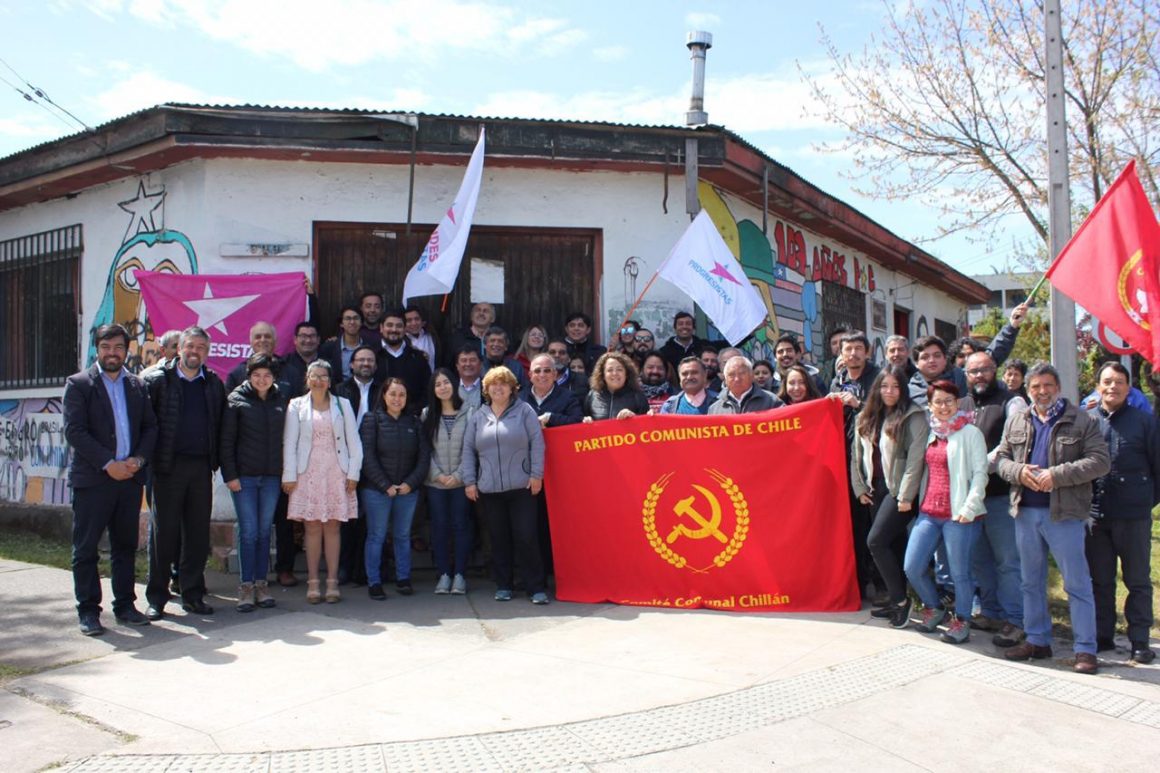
(958, 487)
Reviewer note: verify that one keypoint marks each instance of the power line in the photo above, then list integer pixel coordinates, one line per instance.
(36, 102)
(42, 94)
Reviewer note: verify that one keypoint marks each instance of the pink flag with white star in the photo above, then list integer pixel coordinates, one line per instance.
(226, 306)
(702, 265)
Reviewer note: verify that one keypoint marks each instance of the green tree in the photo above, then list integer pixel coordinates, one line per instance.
(946, 104)
(1034, 341)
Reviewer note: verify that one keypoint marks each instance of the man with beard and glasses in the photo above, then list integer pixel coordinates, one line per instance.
(558, 351)
(995, 560)
(654, 381)
(188, 399)
(694, 398)
(398, 359)
(359, 390)
(110, 425)
(1051, 454)
(555, 405)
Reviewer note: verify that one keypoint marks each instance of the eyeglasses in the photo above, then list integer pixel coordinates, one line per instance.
(543, 370)
(980, 371)
(351, 318)
(627, 330)
(643, 339)
(944, 403)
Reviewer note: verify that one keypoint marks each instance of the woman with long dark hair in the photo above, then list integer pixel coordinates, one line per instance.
(885, 471)
(797, 386)
(444, 425)
(395, 460)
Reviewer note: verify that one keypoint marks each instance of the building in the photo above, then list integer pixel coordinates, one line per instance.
(577, 215)
(1008, 290)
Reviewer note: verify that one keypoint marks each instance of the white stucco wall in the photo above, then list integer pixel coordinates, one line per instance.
(223, 201)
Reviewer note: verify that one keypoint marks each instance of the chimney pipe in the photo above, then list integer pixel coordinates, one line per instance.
(698, 43)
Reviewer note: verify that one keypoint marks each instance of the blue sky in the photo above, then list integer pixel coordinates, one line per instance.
(611, 61)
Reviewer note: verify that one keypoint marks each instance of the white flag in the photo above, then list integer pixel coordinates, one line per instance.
(438, 266)
(702, 265)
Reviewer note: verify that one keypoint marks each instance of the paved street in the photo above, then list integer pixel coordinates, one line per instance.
(465, 683)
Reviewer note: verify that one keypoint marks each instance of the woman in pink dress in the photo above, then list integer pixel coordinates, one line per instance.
(321, 461)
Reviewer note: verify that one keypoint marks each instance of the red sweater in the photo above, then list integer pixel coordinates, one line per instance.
(936, 502)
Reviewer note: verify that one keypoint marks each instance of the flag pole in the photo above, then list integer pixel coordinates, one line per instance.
(1035, 289)
(628, 315)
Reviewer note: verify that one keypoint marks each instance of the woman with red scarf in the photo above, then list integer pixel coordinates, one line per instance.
(951, 496)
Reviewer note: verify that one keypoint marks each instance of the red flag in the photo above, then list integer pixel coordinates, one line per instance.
(1111, 266)
(744, 513)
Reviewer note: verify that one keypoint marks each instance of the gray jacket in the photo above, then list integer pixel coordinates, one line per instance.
(904, 473)
(500, 453)
(757, 399)
(1078, 455)
(447, 450)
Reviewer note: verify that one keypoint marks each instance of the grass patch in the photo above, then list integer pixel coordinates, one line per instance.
(30, 548)
(1057, 598)
(8, 673)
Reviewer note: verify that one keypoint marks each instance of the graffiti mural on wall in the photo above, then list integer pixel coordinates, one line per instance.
(788, 272)
(33, 452)
(149, 245)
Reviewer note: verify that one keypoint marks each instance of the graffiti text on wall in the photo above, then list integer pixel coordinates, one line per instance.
(33, 453)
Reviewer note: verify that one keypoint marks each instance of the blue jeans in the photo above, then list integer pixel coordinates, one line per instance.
(995, 564)
(959, 539)
(1036, 534)
(450, 523)
(255, 505)
(387, 512)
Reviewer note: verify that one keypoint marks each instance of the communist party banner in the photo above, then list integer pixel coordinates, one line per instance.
(743, 513)
(226, 306)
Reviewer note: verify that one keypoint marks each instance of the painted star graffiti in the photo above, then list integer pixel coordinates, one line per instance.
(141, 209)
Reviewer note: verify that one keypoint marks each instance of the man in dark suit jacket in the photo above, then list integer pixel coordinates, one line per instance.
(109, 422)
(360, 389)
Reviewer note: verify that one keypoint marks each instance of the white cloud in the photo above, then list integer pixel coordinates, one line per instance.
(317, 36)
(610, 53)
(702, 21)
(757, 102)
(145, 89)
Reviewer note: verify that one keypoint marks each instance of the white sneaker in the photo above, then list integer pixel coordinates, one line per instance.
(443, 587)
(459, 585)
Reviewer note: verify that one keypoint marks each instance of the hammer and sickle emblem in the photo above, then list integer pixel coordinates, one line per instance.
(709, 527)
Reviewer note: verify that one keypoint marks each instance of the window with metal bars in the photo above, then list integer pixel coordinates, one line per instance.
(39, 303)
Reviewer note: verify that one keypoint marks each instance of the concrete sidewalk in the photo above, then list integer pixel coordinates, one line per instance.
(465, 683)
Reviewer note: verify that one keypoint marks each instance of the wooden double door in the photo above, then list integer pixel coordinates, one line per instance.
(547, 272)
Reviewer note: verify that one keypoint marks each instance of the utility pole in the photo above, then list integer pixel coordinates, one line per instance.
(1064, 349)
